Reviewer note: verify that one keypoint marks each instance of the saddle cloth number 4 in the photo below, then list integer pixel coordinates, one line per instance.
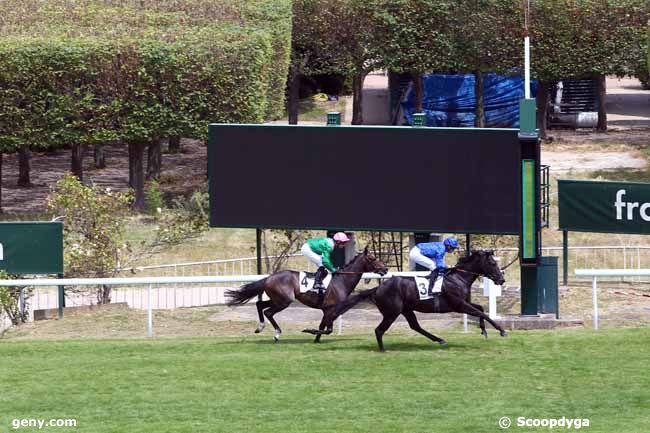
(307, 283)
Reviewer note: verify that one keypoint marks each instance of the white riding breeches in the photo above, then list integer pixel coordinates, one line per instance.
(416, 256)
(312, 256)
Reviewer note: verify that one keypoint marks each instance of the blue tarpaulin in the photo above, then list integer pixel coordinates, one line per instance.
(449, 100)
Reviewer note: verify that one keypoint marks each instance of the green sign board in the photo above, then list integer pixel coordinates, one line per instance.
(31, 247)
(606, 207)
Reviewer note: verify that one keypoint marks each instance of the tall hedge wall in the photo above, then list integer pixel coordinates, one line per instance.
(90, 71)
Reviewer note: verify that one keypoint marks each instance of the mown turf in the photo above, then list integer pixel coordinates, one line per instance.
(249, 384)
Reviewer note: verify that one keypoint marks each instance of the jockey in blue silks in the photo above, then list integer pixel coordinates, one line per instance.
(431, 255)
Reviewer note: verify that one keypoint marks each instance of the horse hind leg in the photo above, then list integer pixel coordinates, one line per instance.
(270, 312)
(415, 325)
(261, 305)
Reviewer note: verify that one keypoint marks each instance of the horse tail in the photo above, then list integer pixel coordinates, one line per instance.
(355, 299)
(245, 293)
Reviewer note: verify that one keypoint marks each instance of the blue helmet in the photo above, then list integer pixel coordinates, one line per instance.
(451, 242)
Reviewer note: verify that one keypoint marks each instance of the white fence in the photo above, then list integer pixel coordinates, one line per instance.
(158, 281)
(595, 273)
(239, 266)
(581, 257)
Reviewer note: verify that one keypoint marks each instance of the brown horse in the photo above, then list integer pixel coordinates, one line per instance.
(399, 295)
(283, 288)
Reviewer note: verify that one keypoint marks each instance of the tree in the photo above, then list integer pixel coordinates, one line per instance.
(412, 36)
(491, 44)
(93, 229)
(585, 39)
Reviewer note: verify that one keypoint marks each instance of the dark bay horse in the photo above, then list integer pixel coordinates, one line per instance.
(283, 288)
(399, 295)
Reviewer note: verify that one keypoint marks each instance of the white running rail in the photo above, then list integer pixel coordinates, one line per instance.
(595, 273)
(151, 281)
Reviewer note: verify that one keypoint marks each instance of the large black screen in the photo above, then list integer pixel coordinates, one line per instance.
(365, 178)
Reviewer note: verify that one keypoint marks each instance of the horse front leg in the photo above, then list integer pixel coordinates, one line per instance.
(460, 305)
(481, 321)
(326, 325)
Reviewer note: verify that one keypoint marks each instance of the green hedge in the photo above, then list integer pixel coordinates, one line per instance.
(82, 72)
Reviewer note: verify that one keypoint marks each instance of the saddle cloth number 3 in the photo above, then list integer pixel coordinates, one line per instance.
(423, 287)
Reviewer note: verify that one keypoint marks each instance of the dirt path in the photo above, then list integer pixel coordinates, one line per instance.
(182, 174)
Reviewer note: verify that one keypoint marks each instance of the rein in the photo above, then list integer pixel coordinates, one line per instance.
(465, 270)
(513, 260)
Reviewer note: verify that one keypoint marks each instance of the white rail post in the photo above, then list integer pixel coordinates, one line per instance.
(465, 324)
(595, 300)
(340, 325)
(149, 313)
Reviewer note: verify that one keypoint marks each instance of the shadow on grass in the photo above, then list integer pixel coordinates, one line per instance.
(425, 346)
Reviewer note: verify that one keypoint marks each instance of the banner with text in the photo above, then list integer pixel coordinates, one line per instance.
(606, 207)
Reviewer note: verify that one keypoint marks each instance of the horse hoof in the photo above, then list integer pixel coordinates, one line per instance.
(276, 338)
(504, 333)
(443, 342)
(260, 328)
(485, 334)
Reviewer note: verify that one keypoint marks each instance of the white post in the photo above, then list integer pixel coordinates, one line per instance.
(527, 67)
(465, 323)
(340, 325)
(149, 313)
(595, 300)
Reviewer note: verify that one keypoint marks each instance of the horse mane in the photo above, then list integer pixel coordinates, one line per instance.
(354, 259)
(463, 260)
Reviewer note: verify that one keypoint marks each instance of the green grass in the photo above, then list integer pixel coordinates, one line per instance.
(248, 384)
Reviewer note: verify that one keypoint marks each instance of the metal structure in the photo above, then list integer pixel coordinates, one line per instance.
(389, 248)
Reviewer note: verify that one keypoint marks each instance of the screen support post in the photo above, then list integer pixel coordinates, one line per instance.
(530, 238)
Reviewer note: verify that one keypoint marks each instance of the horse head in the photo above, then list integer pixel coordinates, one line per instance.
(367, 262)
(482, 262)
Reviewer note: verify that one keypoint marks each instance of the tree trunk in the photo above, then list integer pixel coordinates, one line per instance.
(104, 294)
(294, 98)
(136, 156)
(419, 91)
(1, 155)
(76, 165)
(542, 107)
(357, 98)
(100, 156)
(24, 156)
(174, 144)
(602, 97)
(479, 121)
(154, 159)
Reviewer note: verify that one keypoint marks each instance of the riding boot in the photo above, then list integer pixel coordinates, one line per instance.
(432, 279)
(321, 273)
